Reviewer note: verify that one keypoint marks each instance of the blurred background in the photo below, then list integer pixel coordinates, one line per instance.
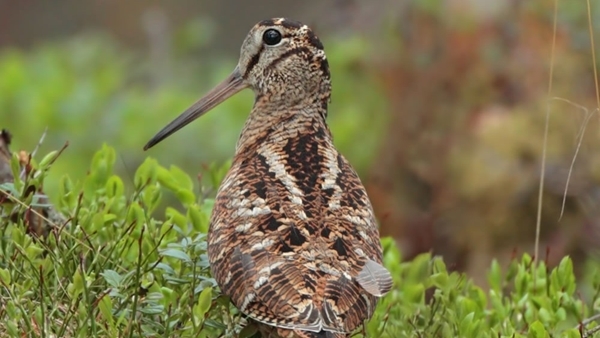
(439, 104)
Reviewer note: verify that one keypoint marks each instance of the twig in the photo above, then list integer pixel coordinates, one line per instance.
(591, 332)
(60, 151)
(588, 320)
(538, 222)
(580, 135)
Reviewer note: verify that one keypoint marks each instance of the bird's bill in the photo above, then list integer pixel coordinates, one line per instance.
(224, 90)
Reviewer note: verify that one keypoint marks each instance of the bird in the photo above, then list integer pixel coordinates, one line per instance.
(293, 240)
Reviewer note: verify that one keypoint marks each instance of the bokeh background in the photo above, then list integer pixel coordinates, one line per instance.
(439, 104)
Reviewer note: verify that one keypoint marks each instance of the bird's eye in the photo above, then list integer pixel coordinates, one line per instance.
(271, 37)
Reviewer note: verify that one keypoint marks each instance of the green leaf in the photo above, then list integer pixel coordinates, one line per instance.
(102, 164)
(565, 275)
(9, 187)
(571, 333)
(15, 167)
(17, 236)
(165, 178)
(440, 279)
(415, 293)
(545, 316)
(168, 295)
(33, 251)
(109, 218)
(561, 314)
(135, 214)
(207, 206)
(47, 159)
(175, 253)
(466, 323)
(151, 197)
(183, 180)
(198, 219)
(147, 280)
(112, 278)
(5, 276)
(177, 218)
(105, 306)
(203, 304)
(13, 330)
(185, 196)
(114, 187)
(146, 173)
(537, 330)
(76, 287)
(152, 310)
(494, 276)
(66, 193)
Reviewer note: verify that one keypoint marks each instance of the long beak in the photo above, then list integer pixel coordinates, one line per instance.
(224, 90)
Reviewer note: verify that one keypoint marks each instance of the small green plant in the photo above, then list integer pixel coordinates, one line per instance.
(113, 269)
(117, 267)
(523, 301)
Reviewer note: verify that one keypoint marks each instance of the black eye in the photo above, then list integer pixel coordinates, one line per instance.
(271, 37)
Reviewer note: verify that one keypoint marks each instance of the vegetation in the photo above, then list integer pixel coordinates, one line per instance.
(115, 269)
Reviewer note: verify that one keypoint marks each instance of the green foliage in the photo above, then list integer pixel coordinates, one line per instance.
(115, 269)
(89, 90)
(525, 300)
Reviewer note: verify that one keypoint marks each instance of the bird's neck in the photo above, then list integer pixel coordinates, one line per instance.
(277, 124)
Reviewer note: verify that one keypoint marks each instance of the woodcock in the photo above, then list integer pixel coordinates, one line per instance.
(293, 239)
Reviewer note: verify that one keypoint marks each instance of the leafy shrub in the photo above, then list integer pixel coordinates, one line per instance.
(116, 269)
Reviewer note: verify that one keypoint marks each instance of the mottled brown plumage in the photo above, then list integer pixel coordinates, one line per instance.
(293, 239)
